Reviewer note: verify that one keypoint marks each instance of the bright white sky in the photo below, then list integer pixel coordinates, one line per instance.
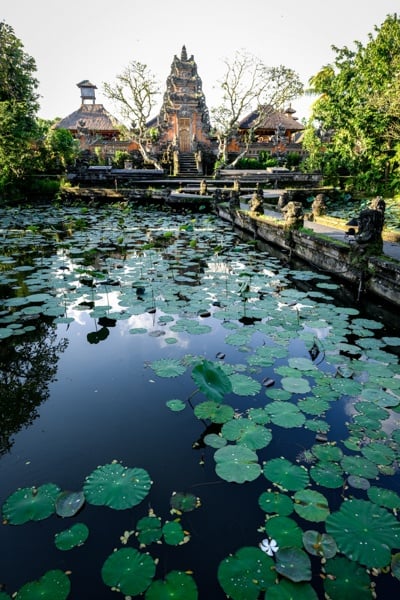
(72, 40)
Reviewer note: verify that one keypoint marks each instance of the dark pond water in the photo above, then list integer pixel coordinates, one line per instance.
(105, 316)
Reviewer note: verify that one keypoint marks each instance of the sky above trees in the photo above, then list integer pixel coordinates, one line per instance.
(79, 40)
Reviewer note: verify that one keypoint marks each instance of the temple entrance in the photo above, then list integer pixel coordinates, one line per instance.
(184, 135)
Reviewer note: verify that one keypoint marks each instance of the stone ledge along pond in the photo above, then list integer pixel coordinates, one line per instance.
(186, 414)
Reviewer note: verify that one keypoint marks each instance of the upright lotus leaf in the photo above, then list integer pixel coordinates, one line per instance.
(276, 502)
(246, 573)
(31, 504)
(288, 590)
(117, 486)
(284, 474)
(184, 501)
(211, 379)
(69, 504)
(148, 530)
(53, 585)
(294, 564)
(346, 580)
(285, 531)
(246, 433)
(319, 544)
(217, 413)
(311, 505)
(177, 585)
(129, 571)
(364, 532)
(74, 536)
(237, 464)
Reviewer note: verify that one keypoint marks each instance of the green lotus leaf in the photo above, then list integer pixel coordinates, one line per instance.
(184, 501)
(53, 585)
(358, 465)
(379, 453)
(380, 397)
(367, 323)
(391, 341)
(278, 394)
(302, 363)
(395, 566)
(217, 413)
(276, 502)
(136, 330)
(313, 406)
(372, 411)
(327, 474)
(148, 530)
(242, 385)
(286, 475)
(31, 504)
(3, 595)
(357, 482)
(364, 532)
(387, 498)
(173, 533)
(69, 504)
(294, 564)
(74, 536)
(237, 463)
(295, 385)
(117, 486)
(327, 452)
(214, 440)
(259, 416)
(288, 590)
(176, 405)
(129, 571)
(285, 531)
(317, 425)
(177, 585)
(311, 505)
(246, 573)
(346, 580)
(319, 544)
(211, 380)
(285, 414)
(246, 433)
(168, 367)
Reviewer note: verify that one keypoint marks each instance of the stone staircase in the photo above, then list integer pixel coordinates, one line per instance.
(187, 165)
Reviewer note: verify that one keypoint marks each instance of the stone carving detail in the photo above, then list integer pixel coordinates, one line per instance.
(370, 223)
(234, 200)
(294, 215)
(284, 199)
(319, 205)
(256, 203)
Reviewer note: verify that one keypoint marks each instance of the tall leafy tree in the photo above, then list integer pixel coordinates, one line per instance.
(356, 110)
(18, 106)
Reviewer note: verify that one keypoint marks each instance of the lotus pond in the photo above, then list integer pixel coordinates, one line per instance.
(185, 415)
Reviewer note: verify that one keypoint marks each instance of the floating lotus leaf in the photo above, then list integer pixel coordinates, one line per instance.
(311, 505)
(379, 453)
(31, 504)
(117, 486)
(242, 385)
(176, 405)
(211, 380)
(136, 330)
(364, 532)
(357, 482)
(383, 497)
(346, 580)
(313, 406)
(379, 396)
(168, 367)
(214, 440)
(367, 323)
(184, 502)
(173, 533)
(288, 590)
(217, 413)
(294, 564)
(395, 566)
(69, 504)
(53, 585)
(295, 385)
(285, 531)
(327, 452)
(246, 573)
(285, 414)
(129, 571)
(246, 433)
(371, 410)
(74, 536)
(319, 544)
(276, 502)
(302, 363)
(285, 474)
(358, 465)
(237, 463)
(148, 530)
(177, 585)
(391, 341)
(258, 415)
(4, 596)
(327, 474)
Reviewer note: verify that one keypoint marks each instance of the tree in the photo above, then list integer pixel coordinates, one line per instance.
(248, 84)
(358, 104)
(18, 106)
(135, 92)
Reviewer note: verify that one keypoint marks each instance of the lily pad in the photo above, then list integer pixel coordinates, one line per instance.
(285, 414)
(319, 544)
(327, 474)
(246, 573)
(176, 405)
(31, 504)
(237, 463)
(53, 585)
(168, 367)
(288, 590)
(276, 502)
(173, 533)
(346, 580)
(217, 413)
(286, 475)
(242, 385)
(246, 433)
(129, 571)
(296, 385)
(148, 530)
(117, 486)
(74, 536)
(311, 505)
(184, 501)
(294, 564)
(211, 380)
(285, 531)
(364, 532)
(177, 585)
(387, 498)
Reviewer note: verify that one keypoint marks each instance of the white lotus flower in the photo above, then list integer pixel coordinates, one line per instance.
(269, 546)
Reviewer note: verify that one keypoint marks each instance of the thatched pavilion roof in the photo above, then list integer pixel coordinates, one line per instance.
(93, 117)
(272, 120)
